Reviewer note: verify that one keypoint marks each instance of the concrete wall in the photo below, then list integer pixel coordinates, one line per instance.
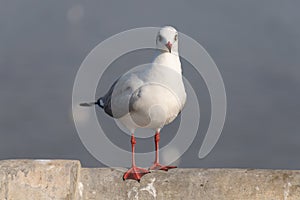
(66, 180)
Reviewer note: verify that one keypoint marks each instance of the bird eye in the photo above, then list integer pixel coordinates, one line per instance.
(175, 38)
(159, 38)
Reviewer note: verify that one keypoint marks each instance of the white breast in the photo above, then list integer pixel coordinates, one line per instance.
(151, 97)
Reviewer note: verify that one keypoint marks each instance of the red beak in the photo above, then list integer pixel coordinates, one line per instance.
(169, 46)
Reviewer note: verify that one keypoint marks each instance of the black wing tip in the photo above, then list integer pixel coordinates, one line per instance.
(100, 102)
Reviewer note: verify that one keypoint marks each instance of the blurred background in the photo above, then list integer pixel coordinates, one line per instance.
(255, 44)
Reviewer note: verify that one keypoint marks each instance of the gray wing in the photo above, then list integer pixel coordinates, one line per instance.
(117, 100)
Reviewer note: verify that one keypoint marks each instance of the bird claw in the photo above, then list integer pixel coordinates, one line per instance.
(135, 173)
(158, 166)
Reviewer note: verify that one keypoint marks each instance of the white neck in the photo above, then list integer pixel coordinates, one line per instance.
(169, 60)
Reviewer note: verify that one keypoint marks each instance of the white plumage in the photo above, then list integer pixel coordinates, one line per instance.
(149, 96)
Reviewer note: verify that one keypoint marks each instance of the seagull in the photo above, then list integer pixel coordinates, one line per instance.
(151, 96)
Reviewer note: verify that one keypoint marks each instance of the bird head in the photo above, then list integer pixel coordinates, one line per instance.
(167, 39)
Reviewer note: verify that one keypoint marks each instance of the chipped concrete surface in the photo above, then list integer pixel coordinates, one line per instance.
(133, 193)
(66, 180)
(286, 191)
(80, 189)
(38, 179)
(150, 188)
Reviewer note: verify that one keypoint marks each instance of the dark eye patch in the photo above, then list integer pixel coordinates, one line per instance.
(159, 38)
(176, 37)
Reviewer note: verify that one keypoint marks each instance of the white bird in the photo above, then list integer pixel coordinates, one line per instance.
(148, 97)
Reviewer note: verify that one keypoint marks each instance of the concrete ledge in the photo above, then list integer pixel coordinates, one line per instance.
(38, 179)
(63, 179)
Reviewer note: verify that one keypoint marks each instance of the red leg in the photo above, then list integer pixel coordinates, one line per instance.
(134, 172)
(157, 165)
